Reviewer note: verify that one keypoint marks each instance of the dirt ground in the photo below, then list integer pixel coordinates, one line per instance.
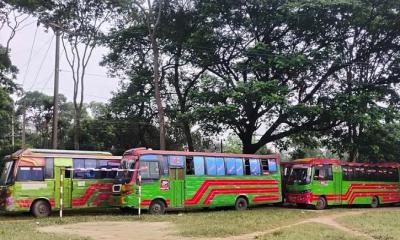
(167, 231)
(117, 230)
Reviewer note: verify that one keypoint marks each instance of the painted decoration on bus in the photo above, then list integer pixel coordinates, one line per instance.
(164, 184)
(32, 162)
(176, 161)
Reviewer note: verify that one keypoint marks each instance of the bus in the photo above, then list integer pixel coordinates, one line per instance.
(179, 180)
(30, 180)
(325, 182)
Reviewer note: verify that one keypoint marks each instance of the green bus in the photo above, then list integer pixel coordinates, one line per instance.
(323, 182)
(177, 180)
(30, 180)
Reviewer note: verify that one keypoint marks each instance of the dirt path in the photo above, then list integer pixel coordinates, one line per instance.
(164, 230)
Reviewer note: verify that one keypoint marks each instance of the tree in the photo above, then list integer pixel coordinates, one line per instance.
(279, 65)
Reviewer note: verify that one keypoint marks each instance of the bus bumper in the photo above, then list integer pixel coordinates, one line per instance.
(299, 198)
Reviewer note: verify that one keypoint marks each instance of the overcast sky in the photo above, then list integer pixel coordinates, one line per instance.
(37, 74)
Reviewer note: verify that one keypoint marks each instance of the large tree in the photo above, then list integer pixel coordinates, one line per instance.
(277, 68)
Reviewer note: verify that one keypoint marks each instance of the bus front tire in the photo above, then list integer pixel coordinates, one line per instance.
(241, 204)
(374, 202)
(41, 208)
(321, 203)
(157, 207)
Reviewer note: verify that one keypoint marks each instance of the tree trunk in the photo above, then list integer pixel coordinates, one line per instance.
(77, 130)
(156, 81)
(188, 135)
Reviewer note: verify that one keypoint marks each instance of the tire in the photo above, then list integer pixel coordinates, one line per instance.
(241, 204)
(321, 203)
(374, 202)
(157, 207)
(41, 208)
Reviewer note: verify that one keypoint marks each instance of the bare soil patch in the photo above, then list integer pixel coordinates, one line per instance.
(116, 230)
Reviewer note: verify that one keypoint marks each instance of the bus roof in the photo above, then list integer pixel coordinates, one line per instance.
(32, 152)
(142, 151)
(318, 161)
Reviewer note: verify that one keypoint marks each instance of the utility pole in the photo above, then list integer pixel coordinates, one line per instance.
(23, 127)
(56, 86)
(13, 126)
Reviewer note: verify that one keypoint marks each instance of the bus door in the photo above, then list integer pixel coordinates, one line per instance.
(59, 169)
(177, 187)
(337, 183)
(323, 183)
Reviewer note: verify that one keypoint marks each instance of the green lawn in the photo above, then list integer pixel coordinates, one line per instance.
(309, 231)
(212, 223)
(381, 223)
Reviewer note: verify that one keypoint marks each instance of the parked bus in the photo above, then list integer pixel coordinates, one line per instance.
(324, 182)
(30, 180)
(176, 180)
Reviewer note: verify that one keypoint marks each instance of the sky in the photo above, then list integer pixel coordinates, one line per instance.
(36, 73)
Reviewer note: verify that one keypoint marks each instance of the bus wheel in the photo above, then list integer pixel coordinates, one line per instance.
(157, 207)
(374, 202)
(41, 208)
(241, 204)
(321, 203)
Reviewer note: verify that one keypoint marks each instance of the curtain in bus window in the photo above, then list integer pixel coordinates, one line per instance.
(90, 163)
(198, 166)
(239, 167)
(24, 174)
(272, 165)
(176, 161)
(37, 174)
(79, 163)
(49, 169)
(230, 166)
(255, 167)
(211, 166)
(219, 162)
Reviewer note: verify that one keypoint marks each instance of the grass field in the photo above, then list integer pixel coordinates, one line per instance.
(309, 231)
(381, 224)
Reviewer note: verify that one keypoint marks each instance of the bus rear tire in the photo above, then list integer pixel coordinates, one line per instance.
(41, 208)
(157, 207)
(321, 203)
(241, 204)
(375, 202)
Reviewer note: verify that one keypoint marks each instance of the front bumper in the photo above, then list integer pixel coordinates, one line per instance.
(299, 198)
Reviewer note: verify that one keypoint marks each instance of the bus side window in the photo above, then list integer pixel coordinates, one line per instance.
(247, 166)
(220, 164)
(189, 166)
(49, 168)
(149, 170)
(255, 167)
(211, 166)
(198, 166)
(30, 174)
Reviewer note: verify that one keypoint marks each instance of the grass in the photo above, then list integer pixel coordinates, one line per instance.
(382, 224)
(309, 231)
(208, 223)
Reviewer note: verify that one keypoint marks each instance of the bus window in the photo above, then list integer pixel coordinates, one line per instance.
(49, 168)
(219, 162)
(7, 173)
(189, 166)
(255, 167)
(211, 166)
(247, 167)
(234, 166)
(198, 166)
(149, 170)
(272, 166)
(239, 167)
(30, 174)
(323, 172)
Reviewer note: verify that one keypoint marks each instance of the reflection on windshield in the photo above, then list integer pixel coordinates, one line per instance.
(299, 176)
(126, 176)
(6, 174)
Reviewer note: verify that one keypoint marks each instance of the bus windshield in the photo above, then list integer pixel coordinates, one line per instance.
(300, 175)
(125, 176)
(6, 177)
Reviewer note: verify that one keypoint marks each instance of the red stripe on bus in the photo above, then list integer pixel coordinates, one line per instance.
(89, 192)
(225, 191)
(265, 198)
(207, 183)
